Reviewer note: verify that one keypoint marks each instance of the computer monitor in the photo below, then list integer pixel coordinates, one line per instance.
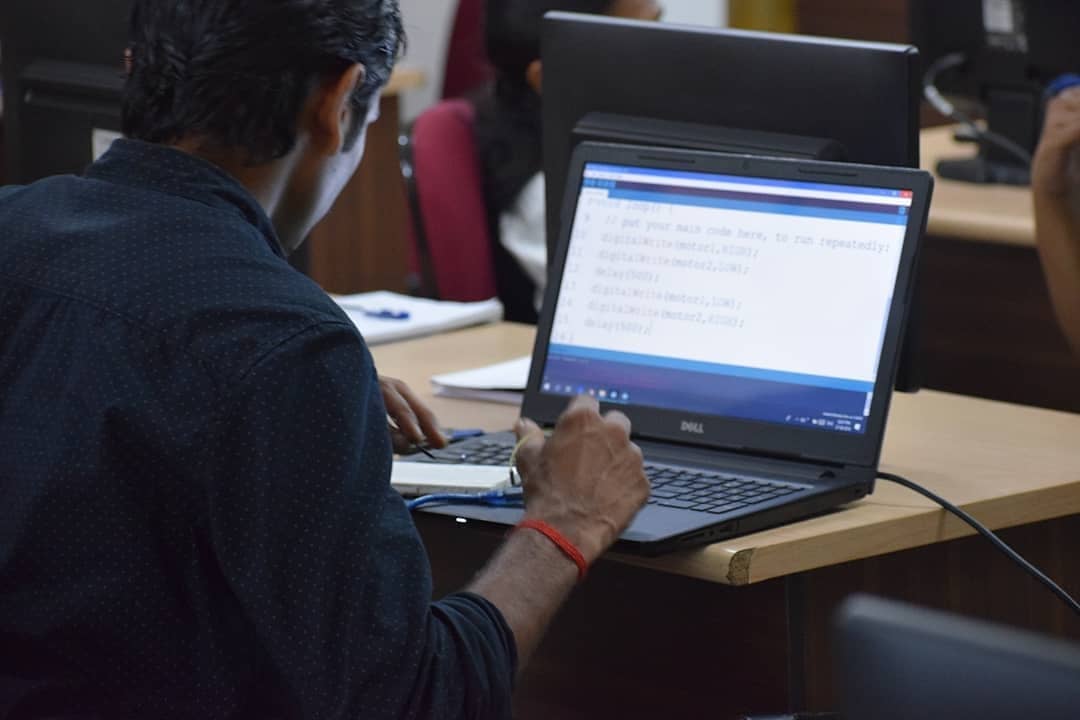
(63, 80)
(898, 662)
(1011, 50)
(728, 90)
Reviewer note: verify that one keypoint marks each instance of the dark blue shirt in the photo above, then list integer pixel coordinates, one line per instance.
(195, 511)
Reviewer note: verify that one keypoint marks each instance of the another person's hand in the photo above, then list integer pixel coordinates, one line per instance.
(413, 421)
(588, 480)
(1061, 133)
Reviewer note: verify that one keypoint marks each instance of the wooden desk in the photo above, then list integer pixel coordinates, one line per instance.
(360, 244)
(984, 213)
(987, 327)
(671, 636)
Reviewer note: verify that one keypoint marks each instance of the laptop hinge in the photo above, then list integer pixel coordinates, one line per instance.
(789, 457)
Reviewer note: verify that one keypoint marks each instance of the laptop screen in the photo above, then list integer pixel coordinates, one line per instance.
(726, 295)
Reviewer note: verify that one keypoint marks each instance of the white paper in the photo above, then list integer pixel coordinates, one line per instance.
(509, 375)
(417, 478)
(502, 382)
(425, 317)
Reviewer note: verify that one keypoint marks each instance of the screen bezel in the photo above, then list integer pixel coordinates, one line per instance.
(729, 433)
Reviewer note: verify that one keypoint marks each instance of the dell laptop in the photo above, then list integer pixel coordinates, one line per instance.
(746, 313)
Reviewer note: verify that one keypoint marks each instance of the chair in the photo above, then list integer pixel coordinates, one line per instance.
(467, 66)
(451, 241)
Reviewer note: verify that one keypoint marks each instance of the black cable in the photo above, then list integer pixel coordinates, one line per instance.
(989, 535)
(946, 108)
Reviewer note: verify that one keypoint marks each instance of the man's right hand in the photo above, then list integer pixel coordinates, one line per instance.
(588, 480)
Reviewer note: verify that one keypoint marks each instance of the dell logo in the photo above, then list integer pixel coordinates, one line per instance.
(693, 427)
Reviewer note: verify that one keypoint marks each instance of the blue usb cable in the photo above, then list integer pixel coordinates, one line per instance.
(498, 498)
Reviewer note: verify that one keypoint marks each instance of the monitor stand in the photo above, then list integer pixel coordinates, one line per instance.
(984, 171)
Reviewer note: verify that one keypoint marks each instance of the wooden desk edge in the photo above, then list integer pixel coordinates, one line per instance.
(1010, 233)
(995, 214)
(752, 558)
(892, 521)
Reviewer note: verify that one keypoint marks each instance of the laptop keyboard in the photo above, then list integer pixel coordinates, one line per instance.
(709, 491)
(674, 487)
(476, 452)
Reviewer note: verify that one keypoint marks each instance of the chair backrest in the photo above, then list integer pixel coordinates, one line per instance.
(451, 237)
(467, 66)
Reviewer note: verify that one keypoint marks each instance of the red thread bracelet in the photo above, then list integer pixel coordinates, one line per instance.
(568, 548)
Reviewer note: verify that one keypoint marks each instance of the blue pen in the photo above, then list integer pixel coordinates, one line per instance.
(383, 314)
(463, 434)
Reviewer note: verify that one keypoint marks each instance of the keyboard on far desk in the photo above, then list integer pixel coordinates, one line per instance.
(672, 486)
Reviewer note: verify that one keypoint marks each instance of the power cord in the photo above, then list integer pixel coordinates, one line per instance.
(946, 108)
(989, 535)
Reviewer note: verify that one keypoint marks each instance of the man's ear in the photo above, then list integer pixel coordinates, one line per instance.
(331, 109)
(534, 76)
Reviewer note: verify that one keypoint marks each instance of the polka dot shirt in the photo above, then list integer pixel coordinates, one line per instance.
(195, 513)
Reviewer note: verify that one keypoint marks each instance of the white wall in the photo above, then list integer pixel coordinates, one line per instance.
(429, 22)
(696, 12)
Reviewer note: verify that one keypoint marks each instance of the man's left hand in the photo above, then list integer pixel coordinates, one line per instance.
(413, 422)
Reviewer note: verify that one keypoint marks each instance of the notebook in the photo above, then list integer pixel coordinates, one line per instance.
(501, 382)
(384, 316)
(745, 313)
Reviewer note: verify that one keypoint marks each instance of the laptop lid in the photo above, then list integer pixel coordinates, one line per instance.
(731, 302)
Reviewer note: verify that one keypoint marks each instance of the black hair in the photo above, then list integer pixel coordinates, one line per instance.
(513, 33)
(508, 131)
(235, 74)
(508, 120)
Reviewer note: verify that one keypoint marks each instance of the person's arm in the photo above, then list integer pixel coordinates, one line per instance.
(328, 572)
(326, 586)
(587, 481)
(1057, 230)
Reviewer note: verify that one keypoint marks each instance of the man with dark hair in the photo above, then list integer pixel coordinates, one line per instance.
(196, 518)
(508, 135)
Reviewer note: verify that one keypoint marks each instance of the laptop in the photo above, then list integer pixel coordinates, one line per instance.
(746, 313)
(899, 662)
